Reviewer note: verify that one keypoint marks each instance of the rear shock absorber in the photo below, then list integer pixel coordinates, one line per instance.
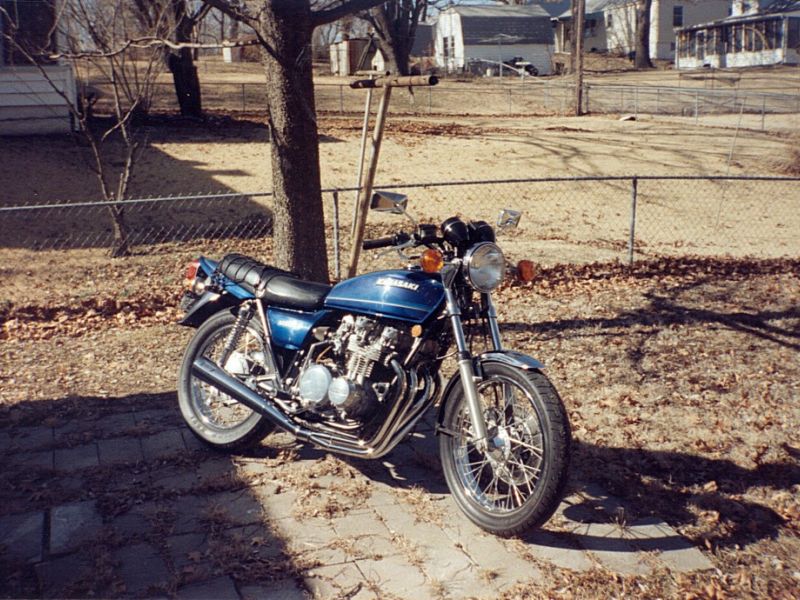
(242, 319)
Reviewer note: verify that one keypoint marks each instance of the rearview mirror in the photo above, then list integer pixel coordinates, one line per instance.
(389, 202)
(508, 219)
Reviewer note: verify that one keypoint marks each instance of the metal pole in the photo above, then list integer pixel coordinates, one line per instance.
(362, 151)
(580, 12)
(336, 265)
(634, 194)
(365, 190)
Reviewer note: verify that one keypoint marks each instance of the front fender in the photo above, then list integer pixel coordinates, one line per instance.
(510, 358)
(517, 360)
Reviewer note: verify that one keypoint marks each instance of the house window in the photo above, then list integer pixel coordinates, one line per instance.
(446, 47)
(589, 27)
(677, 16)
(609, 20)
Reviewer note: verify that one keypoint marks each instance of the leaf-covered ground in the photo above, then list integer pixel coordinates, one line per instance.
(680, 378)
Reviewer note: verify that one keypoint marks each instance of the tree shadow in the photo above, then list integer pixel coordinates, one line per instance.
(113, 497)
(162, 173)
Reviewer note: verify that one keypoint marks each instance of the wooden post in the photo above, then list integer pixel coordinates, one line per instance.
(365, 192)
(579, 25)
(368, 178)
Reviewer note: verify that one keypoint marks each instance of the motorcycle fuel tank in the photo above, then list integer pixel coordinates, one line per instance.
(404, 295)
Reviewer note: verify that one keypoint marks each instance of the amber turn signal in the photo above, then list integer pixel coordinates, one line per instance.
(432, 261)
(526, 270)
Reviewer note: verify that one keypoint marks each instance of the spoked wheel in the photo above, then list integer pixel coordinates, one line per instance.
(213, 416)
(515, 480)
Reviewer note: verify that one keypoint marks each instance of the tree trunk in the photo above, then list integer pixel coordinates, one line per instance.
(121, 244)
(299, 230)
(642, 58)
(181, 65)
(396, 31)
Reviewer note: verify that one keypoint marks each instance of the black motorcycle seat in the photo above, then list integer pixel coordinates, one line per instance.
(273, 285)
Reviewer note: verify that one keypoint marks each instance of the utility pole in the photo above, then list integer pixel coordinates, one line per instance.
(578, 26)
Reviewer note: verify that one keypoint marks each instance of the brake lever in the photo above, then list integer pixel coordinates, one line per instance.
(409, 243)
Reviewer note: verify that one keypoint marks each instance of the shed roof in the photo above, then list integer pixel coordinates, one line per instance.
(596, 6)
(490, 25)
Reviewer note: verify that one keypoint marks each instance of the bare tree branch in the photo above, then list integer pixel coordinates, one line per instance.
(234, 12)
(149, 42)
(328, 15)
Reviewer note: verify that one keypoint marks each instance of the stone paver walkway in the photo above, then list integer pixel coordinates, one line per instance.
(126, 502)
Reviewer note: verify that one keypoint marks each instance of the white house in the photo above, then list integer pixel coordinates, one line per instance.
(465, 34)
(754, 35)
(610, 25)
(33, 99)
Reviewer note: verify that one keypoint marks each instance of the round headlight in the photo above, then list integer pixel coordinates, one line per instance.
(485, 266)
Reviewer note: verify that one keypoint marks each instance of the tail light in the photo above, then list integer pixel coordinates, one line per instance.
(190, 278)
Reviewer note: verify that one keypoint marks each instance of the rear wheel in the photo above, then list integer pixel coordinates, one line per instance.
(213, 416)
(516, 481)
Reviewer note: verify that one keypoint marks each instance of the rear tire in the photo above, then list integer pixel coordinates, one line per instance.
(518, 482)
(214, 417)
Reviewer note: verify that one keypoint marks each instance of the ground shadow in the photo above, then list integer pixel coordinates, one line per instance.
(112, 497)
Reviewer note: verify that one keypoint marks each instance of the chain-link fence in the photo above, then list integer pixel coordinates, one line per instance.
(577, 220)
(524, 96)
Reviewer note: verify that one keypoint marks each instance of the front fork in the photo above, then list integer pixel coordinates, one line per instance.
(466, 368)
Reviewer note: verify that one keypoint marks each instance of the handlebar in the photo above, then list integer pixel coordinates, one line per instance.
(385, 242)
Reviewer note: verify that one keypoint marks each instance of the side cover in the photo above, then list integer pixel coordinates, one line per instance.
(404, 295)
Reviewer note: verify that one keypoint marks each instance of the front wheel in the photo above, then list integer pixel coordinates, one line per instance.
(213, 416)
(515, 480)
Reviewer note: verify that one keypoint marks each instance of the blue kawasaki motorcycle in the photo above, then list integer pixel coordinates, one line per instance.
(352, 367)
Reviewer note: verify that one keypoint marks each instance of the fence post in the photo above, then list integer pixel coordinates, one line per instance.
(243, 98)
(634, 194)
(336, 265)
(586, 95)
(341, 99)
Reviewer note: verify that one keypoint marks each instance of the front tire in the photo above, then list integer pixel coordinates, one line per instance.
(214, 417)
(517, 482)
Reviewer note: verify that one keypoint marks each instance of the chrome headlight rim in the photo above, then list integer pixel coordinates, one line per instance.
(473, 255)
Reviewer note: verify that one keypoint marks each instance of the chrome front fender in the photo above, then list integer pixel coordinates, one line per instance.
(516, 360)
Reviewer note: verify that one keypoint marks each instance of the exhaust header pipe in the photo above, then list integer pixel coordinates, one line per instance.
(212, 374)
